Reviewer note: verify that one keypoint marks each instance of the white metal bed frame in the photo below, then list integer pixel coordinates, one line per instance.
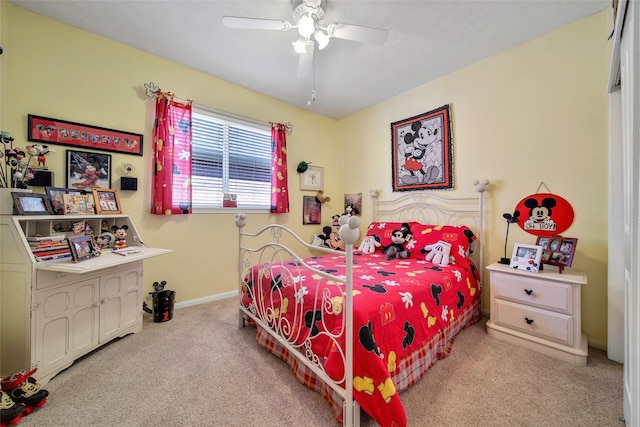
(427, 208)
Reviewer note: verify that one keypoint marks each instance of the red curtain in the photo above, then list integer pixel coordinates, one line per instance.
(171, 192)
(279, 182)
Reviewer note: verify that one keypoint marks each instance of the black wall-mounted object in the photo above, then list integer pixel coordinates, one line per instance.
(41, 178)
(128, 183)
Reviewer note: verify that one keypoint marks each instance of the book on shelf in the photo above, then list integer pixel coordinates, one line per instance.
(51, 252)
(49, 248)
(54, 257)
(46, 238)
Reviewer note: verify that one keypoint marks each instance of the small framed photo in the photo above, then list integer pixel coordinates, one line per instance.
(78, 204)
(31, 203)
(55, 198)
(107, 201)
(311, 210)
(312, 178)
(83, 248)
(558, 250)
(526, 257)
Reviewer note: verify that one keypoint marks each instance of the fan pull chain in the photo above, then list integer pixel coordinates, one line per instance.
(313, 84)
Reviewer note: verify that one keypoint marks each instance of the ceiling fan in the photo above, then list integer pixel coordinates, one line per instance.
(308, 19)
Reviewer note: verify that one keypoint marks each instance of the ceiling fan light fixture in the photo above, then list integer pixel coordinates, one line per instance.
(306, 25)
(322, 38)
(300, 45)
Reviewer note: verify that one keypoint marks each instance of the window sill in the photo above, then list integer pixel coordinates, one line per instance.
(229, 210)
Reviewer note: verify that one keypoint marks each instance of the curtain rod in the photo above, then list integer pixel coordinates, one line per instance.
(152, 91)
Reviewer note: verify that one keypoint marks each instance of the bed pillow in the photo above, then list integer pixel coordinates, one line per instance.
(384, 230)
(460, 237)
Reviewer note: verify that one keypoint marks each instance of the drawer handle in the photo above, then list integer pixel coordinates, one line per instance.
(528, 291)
(529, 321)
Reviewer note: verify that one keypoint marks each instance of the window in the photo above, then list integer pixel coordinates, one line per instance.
(229, 156)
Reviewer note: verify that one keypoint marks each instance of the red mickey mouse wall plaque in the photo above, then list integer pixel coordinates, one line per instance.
(544, 214)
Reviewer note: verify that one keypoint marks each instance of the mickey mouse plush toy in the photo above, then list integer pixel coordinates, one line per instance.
(398, 239)
(121, 233)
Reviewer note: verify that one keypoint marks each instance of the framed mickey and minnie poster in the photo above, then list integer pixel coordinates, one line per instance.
(422, 151)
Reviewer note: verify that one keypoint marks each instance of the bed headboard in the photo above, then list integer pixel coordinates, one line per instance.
(436, 208)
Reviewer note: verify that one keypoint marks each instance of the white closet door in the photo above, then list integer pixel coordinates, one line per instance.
(630, 110)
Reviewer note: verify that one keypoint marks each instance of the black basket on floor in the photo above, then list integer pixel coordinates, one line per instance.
(163, 302)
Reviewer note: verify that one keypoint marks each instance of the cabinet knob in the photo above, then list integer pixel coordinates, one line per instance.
(104, 301)
(529, 321)
(96, 304)
(528, 291)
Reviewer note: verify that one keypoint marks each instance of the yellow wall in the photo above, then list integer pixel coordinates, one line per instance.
(54, 70)
(534, 113)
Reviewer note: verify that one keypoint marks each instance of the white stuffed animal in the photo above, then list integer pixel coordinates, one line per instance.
(369, 244)
(439, 253)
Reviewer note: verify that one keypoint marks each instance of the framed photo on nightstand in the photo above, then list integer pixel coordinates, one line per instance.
(526, 257)
(557, 250)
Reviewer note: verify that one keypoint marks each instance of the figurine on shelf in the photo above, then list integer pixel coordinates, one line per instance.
(120, 233)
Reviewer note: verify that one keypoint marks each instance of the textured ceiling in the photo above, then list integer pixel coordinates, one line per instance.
(427, 40)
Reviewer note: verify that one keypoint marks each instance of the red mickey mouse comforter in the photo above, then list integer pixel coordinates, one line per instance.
(399, 307)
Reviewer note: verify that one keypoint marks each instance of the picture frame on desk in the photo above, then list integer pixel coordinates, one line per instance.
(55, 198)
(83, 248)
(557, 250)
(526, 257)
(31, 203)
(78, 204)
(107, 201)
(54, 194)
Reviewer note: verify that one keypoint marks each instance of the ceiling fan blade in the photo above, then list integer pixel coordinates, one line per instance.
(239, 22)
(305, 63)
(358, 33)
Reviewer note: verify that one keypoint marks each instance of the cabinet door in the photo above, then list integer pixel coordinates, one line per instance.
(66, 324)
(120, 302)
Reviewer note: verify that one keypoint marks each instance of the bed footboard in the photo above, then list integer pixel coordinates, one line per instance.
(274, 287)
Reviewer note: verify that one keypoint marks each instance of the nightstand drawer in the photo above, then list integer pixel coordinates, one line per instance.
(545, 324)
(533, 291)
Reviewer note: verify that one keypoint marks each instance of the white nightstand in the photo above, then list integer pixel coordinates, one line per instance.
(539, 311)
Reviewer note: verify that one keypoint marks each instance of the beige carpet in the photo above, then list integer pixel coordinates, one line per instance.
(199, 369)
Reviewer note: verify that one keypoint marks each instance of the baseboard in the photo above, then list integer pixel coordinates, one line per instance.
(204, 300)
(597, 344)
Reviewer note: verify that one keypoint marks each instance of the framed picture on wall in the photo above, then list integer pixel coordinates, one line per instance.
(62, 132)
(86, 170)
(311, 210)
(422, 151)
(312, 178)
